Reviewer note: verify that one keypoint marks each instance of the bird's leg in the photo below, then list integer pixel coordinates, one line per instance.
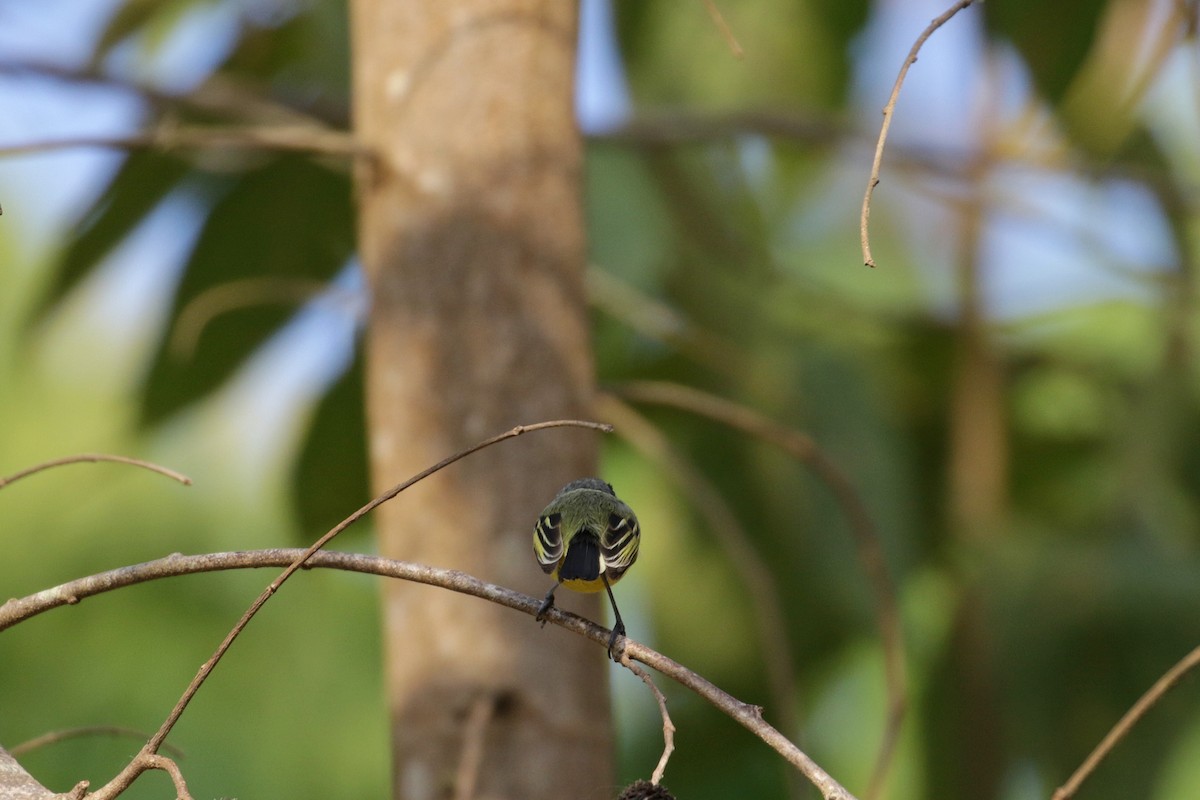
(547, 604)
(618, 625)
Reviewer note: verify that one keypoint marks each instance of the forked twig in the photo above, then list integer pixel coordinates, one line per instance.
(873, 179)
(1119, 731)
(91, 458)
(668, 726)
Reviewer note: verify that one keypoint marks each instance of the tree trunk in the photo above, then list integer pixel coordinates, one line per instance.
(471, 235)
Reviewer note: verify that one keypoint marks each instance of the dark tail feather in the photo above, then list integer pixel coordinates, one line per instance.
(582, 561)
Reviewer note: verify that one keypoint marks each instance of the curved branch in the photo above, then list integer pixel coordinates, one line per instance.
(873, 179)
(54, 737)
(127, 775)
(223, 298)
(866, 538)
(748, 716)
(68, 594)
(668, 726)
(92, 458)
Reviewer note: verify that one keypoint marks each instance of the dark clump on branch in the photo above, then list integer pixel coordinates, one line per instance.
(645, 790)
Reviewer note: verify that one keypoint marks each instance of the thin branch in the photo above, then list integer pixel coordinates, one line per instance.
(769, 616)
(1119, 731)
(748, 716)
(668, 726)
(223, 298)
(16, 611)
(221, 95)
(866, 538)
(675, 129)
(726, 31)
(54, 737)
(279, 138)
(92, 458)
(873, 179)
(126, 776)
(153, 761)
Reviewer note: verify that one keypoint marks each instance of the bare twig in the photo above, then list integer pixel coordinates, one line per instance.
(866, 538)
(726, 31)
(153, 761)
(297, 139)
(54, 737)
(668, 726)
(474, 733)
(127, 775)
(92, 458)
(748, 716)
(873, 179)
(220, 96)
(1119, 731)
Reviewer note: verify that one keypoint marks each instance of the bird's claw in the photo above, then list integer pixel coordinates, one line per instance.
(618, 632)
(543, 610)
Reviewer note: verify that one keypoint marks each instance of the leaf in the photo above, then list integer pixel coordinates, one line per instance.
(304, 59)
(793, 58)
(140, 184)
(289, 219)
(153, 19)
(129, 17)
(330, 477)
(1052, 38)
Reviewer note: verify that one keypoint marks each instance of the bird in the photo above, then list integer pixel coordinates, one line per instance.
(585, 540)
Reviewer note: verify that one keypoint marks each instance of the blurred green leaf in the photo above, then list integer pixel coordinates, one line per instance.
(301, 57)
(676, 55)
(1052, 38)
(330, 477)
(289, 218)
(144, 179)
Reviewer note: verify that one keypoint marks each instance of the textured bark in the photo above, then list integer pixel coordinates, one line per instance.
(471, 234)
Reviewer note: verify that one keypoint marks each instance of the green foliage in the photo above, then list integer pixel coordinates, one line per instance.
(287, 218)
(728, 264)
(144, 180)
(330, 478)
(1052, 38)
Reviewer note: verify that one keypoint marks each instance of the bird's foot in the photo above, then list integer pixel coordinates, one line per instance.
(544, 609)
(618, 631)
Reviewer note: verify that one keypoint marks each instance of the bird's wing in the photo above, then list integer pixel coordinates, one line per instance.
(619, 544)
(548, 541)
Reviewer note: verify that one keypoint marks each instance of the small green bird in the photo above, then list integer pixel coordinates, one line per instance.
(586, 539)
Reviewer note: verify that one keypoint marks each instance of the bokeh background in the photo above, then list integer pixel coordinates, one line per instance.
(1012, 393)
